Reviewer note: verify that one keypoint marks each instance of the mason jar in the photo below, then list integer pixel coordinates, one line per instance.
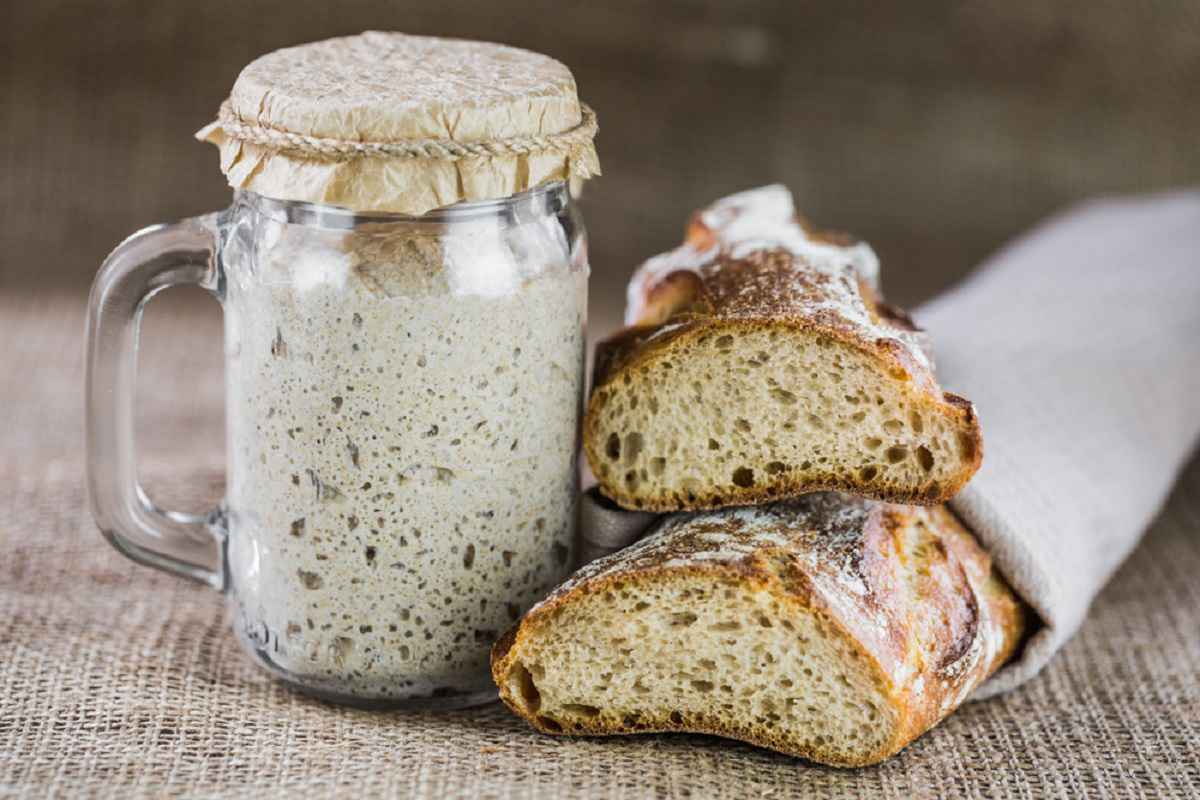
(403, 276)
(403, 399)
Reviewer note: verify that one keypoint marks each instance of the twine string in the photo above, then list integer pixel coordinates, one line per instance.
(429, 149)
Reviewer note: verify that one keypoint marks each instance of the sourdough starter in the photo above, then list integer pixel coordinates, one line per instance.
(403, 418)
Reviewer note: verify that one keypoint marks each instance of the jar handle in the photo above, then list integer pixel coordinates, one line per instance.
(153, 259)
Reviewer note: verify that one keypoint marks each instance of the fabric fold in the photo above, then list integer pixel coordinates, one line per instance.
(1080, 346)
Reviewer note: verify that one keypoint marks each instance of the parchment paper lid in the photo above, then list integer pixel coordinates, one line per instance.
(391, 122)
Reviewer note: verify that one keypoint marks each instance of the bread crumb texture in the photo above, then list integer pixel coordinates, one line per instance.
(833, 628)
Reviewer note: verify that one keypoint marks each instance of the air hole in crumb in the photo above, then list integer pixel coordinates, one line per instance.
(633, 447)
(742, 425)
(893, 426)
(676, 718)
(743, 477)
(783, 396)
(550, 723)
(522, 685)
(712, 445)
(858, 416)
(310, 580)
(918, 425)
(682, 619)
(869, 472)
(925, 458)
(581, 710)
(729, 625)
(612, 447)
(776, 467)
(723, 342)
(642, 606)
(895, 455)
(658, 466)
(873, 443)
(702, 686)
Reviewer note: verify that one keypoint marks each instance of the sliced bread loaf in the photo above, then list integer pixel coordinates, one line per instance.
(830, 627)
(760, 364)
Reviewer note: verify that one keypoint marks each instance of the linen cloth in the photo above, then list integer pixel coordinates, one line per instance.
(1080, 347)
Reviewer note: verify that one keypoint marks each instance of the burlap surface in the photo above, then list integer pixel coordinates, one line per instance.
(116, 680)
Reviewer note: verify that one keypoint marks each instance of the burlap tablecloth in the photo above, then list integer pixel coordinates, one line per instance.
(121, 681)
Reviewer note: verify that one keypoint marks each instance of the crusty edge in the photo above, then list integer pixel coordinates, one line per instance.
(919, 700)
(1003, 621)
(635, 347)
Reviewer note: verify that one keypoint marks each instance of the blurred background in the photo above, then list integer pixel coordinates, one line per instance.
(935, 130)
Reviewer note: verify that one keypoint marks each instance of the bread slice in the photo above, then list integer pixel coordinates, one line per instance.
(831, 627)
(760, 364)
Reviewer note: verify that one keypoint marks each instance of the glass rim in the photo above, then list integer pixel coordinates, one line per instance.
(547, 198)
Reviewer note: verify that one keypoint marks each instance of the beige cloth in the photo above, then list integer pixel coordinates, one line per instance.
(1080, 346)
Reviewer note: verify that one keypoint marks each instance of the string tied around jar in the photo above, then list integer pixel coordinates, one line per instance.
(568, 141)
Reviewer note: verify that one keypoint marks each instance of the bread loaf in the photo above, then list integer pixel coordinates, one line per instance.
(830, 627)
(760, 364)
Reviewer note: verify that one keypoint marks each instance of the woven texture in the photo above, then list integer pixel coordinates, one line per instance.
(120, 681)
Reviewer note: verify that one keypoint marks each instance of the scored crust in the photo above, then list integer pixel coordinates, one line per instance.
(753, 340)
(830, 627)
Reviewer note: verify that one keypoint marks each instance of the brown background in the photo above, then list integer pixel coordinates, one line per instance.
(935, 130)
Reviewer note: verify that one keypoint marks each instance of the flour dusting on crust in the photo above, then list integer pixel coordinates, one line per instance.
(756, 259)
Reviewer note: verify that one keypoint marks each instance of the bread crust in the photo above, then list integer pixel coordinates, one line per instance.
(932, 622)
(717, 284)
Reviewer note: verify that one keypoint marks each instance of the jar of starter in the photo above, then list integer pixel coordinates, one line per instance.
(403, 275)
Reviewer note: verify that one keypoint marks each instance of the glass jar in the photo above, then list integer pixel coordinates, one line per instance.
(403, 399)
